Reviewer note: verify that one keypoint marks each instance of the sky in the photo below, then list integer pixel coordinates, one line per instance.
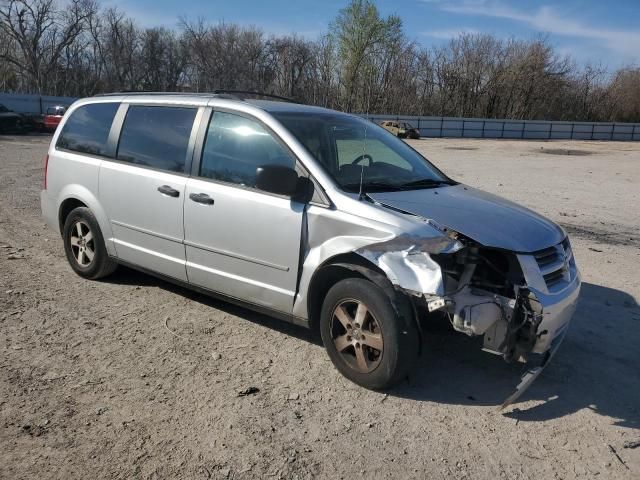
(605, 33)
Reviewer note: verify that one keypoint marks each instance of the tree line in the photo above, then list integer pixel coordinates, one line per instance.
(363, 63)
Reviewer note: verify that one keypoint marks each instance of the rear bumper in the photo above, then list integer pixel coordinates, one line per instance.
(49, 210)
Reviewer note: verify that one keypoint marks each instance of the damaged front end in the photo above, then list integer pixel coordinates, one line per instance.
(485, 294)
(520, 303)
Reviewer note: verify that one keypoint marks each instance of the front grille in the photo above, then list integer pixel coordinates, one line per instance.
(547, 256)
(553, 263)
(553, 278)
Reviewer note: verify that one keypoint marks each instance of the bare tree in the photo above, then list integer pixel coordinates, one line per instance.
(39, 33)
(163, 58)
(363, 63)
(624, 91)
(226, 56)
(290, 59)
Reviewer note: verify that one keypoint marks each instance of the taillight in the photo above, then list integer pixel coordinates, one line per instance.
(46, 167)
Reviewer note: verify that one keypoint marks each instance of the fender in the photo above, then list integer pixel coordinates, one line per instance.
(398, 251)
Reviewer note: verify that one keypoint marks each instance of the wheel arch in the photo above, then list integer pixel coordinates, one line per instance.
(350, 265)
(65, 209)
(74, 196)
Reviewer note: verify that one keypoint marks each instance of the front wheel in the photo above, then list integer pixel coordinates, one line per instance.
(365, 338)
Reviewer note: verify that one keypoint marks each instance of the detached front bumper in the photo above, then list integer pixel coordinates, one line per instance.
(532, 371)
(558, 306)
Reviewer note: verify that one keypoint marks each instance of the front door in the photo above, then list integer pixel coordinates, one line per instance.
(241, 241)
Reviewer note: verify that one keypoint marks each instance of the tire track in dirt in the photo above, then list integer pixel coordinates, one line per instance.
(606, 235)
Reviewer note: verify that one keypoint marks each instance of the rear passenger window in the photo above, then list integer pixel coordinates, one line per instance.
(236, 146)
(156, 137)
(87, 130)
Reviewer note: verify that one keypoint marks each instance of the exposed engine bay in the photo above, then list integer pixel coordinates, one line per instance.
(485, 294)
(481, 290)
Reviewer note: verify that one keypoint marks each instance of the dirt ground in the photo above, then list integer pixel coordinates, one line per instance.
(132, 377)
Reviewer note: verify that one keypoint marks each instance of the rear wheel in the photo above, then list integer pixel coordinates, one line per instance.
(84, 245)
(365, 338)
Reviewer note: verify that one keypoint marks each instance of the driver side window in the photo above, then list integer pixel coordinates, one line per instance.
(235, 146)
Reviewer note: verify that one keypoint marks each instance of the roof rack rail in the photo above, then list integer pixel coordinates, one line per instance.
(220, 93)
(257, 94)
(193, 94)
(141, 92)
(216, 94)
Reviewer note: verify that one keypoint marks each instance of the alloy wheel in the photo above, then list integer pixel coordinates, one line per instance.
(82, 243)
(357, 336)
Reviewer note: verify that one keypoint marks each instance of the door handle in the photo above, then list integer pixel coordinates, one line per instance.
(167, 190)
(201, 198)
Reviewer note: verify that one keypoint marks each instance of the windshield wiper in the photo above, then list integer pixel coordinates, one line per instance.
(369, 186)
(395, 187)
(425, 182)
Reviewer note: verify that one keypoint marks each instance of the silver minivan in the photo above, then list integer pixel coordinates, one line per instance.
(314, 216)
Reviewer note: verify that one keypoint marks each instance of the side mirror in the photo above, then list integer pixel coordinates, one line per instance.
(277, 179)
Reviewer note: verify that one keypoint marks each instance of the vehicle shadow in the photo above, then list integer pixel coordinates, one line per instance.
(128, 276)
(597, 367)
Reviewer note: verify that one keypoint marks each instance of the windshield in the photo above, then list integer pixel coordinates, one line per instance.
(351, 149)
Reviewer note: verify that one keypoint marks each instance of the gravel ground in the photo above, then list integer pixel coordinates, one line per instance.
(132, 377)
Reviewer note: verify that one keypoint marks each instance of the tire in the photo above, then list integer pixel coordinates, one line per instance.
(377, 353)
(85, 248)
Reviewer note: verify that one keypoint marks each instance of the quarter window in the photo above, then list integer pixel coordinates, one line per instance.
(156, 137)
(87, 130)
(236, 146)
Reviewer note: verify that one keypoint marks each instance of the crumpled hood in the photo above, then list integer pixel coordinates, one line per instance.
(486, 218)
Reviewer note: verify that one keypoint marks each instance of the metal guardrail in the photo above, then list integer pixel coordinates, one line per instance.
(449, 127)
(430, 127)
